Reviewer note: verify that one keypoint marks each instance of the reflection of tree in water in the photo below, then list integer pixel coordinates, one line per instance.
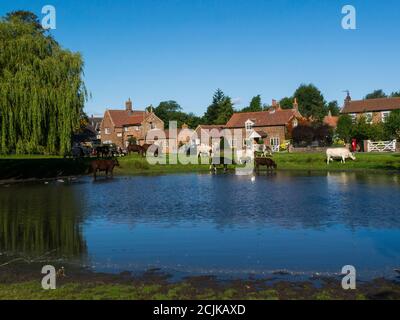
(35, 220)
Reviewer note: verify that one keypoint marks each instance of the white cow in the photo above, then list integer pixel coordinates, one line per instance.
(204, 150)
(244, 155)
(342, 153)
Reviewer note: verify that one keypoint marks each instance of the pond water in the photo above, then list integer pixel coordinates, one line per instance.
(224, 225)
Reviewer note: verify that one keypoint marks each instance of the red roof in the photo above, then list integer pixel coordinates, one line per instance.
(331, 121)
(369, 105)
(122, 118)
(274, 117)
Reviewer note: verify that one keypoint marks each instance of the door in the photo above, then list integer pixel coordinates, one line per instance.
(275, 142)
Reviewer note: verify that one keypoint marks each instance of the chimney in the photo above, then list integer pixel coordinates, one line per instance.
(128, 105)
(295, 104)
(348, 98)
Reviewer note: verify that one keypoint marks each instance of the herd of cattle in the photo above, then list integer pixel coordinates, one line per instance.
(258, 157)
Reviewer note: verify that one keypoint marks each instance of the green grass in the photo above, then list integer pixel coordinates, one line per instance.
(47, 167)
(317, 161)
(97, 290)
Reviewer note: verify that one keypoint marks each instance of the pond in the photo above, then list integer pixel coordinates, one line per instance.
(224, 225)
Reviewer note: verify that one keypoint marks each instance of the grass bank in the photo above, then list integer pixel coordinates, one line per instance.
(43, 167)
(23, 282)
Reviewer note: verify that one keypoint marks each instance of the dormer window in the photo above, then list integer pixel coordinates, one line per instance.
(249, 125)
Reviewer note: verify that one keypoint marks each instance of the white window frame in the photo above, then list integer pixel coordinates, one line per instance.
(107, 131)
(385, 115)
(249, 125)
(353, 117)
(369, 117)
(295, 123)
(119, 134)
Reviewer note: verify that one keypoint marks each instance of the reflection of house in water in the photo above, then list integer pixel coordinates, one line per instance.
(39, 219)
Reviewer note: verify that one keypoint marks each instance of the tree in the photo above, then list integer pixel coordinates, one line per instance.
(376, 94)
(334, 108)
(42, 93)
(255, 105)
(344, 127)
(286, 103)
(220, 110)
(225, 111)
(395, 94)
(311, 102)
(172, 111)
(392, 125)
(303, 135)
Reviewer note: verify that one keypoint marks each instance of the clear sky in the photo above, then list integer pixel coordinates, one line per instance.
(156, 50)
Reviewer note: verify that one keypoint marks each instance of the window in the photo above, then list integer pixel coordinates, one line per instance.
(249, 125)
(107, 131)
(137, 128)
(119, 135)
(274, 141)
(152, 125)
(295, 123)
(368, 117)
(353, 117)
(126, 129)
(385, 115)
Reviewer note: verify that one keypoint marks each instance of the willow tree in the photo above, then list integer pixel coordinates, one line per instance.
(42, 93)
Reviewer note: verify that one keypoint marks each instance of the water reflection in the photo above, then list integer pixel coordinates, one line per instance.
(38, 219)
(196, 222)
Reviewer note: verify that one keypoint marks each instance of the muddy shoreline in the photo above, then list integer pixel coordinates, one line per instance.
(16, 277)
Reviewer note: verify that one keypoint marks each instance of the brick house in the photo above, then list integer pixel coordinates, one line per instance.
(374, 110)
(273, 126)
(119, 126)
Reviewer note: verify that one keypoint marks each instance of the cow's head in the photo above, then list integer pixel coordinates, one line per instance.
(352, 156)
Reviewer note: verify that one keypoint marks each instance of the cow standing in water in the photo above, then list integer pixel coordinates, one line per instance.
(104, 165)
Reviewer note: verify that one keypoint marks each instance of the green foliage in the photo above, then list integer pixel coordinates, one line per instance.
(344, 127)
(395, 94)
(220, 110)
(255, 105)
(376, 94)
(311, 102)
(392, 125)
(286, 103)
(334, 108)
(42, 94)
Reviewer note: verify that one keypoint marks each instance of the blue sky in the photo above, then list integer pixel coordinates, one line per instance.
(156, 50)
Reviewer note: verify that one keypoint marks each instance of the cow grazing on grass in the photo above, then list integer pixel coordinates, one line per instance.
(341, 153)
(136, 148)
(268, 162)
(103, 165)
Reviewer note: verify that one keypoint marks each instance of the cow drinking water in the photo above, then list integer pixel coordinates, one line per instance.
(103, 165)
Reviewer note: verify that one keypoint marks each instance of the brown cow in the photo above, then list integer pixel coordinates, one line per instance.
(271, 164)
(136, 148)
(103, 165)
